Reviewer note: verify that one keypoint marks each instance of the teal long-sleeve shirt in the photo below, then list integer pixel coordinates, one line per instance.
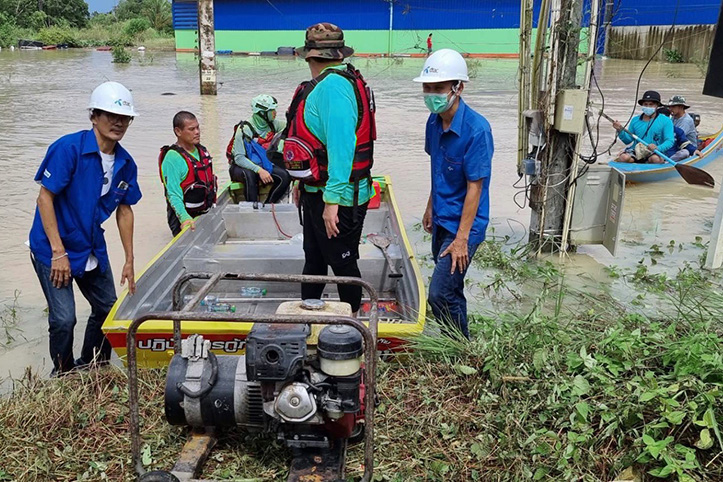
(239, 149)
(660, 132)
(174, 170)
(331, 114)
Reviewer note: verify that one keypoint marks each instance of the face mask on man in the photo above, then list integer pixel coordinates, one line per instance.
(649, 111)
(438, 103)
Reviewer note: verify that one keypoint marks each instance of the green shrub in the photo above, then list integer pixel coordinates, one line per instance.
(120, 55)
(136, 26)
(8, 29)
(57, 35)
(673, 56)
(121, 40)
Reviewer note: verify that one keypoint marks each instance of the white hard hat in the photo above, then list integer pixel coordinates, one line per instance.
(444, 65)
(112, 97)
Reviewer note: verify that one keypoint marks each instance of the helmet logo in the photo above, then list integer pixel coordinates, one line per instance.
(430, 70)
(122, 103)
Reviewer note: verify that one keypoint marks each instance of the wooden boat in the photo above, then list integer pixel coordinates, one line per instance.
(659, 172)
(239, 238)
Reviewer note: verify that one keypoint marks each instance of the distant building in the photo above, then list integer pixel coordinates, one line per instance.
(402, 26)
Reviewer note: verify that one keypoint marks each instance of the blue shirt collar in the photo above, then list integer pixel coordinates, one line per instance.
(456, 125)
(90, 146)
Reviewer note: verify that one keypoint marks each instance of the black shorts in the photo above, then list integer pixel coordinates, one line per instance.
(341, 249)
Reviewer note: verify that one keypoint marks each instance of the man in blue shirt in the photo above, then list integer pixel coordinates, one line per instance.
(656, 132)
(84, 177)
(459, 143)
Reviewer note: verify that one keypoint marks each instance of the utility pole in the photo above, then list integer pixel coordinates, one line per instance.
(391, 27)
(524, 100)
(549, 195)
(206, 48)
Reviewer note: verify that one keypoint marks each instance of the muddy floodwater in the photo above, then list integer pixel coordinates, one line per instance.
(43, 95)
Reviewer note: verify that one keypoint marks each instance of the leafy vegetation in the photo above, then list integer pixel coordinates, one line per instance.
(120, 55)
(673, 56)
(558, 383)
(56, 22)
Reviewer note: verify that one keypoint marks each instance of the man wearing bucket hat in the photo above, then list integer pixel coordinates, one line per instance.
(655, 130)
(460, 145)
(328, 147)
(83, 178)
(681, 119)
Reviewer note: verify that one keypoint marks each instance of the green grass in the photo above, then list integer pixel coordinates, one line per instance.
(557, 384)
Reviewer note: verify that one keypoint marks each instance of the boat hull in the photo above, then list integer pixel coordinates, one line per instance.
(639, 173)
(237, 238)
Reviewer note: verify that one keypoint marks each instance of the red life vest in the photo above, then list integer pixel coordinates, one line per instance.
(199, 187)
(263, 141)
(306, 157)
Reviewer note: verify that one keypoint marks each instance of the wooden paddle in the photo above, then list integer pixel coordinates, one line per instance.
(692, 175)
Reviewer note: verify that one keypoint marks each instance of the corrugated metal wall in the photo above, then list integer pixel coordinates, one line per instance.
(421, 15)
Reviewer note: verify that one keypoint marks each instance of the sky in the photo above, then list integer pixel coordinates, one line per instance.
(101, 6)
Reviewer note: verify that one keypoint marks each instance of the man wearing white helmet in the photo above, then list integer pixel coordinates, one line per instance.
(246, 152)
(84, 177)
(459, 143)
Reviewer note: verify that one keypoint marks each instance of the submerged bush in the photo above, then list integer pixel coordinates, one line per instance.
(120, 55)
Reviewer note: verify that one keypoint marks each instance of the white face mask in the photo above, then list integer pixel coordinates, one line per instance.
(649, 111)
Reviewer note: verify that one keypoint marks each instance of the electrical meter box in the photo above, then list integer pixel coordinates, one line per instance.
(598, 207)
(570, 109)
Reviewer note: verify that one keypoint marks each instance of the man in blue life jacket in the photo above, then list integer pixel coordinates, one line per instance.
(682, 148)
(329, 145)
(681, 119)
(248, 161)
(84, 177)
(459, 143)
(656, 132)
(186, 170)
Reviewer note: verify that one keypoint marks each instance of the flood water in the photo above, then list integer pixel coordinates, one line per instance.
(43, 95)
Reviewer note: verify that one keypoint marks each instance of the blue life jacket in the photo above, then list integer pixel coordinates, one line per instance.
(681, 142)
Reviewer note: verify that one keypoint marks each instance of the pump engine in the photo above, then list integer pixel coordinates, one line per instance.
(309, 396)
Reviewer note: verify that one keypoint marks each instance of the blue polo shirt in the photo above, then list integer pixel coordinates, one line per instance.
(72, 170)
(461, 153)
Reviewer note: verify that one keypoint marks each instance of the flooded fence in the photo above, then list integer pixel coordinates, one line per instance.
(686, 43)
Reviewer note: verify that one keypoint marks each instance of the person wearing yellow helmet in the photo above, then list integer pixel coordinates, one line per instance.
(246, 152)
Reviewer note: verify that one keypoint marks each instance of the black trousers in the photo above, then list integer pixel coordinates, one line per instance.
(281, 177)
(340, 252)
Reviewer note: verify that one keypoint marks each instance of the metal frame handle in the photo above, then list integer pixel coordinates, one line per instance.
(368, 333)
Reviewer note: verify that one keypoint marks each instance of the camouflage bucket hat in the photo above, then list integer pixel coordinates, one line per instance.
(324, 40)
(678, 100)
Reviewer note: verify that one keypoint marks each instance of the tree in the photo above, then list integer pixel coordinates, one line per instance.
(159, 14)
(34, 13)
(128, 9)
(75, 12)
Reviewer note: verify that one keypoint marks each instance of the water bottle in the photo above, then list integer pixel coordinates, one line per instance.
(209, 301)
(222, 308)
(253, 292)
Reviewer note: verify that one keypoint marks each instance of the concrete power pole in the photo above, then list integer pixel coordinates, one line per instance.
(206, 48)
(549, 196)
